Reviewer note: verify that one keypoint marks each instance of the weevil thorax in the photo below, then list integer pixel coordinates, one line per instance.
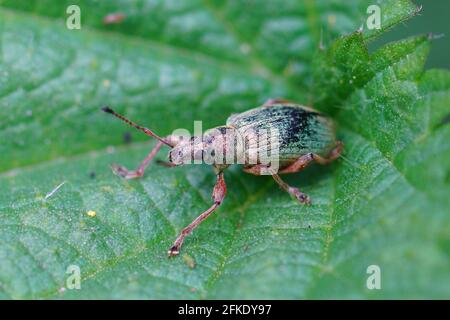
(220, 144)
(215, 147)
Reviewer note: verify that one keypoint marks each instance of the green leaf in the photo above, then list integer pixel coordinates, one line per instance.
(385, 202)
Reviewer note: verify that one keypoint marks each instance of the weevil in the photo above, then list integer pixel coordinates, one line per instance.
(304, 135)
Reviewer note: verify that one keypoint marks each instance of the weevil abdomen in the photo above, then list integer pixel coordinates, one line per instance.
(301, 130)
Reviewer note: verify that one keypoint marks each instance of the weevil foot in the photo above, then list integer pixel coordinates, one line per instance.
(305, 199)
(124, 172)
(300, 196)
(173, 251)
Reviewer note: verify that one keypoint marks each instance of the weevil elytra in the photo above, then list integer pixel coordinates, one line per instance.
(303, 135)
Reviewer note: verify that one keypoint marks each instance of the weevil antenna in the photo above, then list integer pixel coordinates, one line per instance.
(131, 123)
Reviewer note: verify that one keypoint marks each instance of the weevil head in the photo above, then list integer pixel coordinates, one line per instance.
(210, 149)
(187, 150)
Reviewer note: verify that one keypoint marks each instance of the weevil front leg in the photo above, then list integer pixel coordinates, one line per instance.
(218, 195)
(139, 172)
(166, 164)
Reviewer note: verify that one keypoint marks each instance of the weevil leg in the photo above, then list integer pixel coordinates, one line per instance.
(300, 196)
(139, 172)
(333, 155)
(306, 159)
(298, 165)
(275, 101)
(259, 170)
(254, 169)
(166, 164)
(218, 195)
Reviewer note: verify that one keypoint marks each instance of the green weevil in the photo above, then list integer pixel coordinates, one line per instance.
(303, 135)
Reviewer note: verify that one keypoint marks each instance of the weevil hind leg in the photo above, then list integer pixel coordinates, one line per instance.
(333, 155)
(306, 159)
(297, 166)
(139, 172)
(300, 196)
(218, 195)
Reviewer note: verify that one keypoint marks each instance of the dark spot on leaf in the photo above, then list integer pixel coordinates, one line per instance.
(127, 137)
